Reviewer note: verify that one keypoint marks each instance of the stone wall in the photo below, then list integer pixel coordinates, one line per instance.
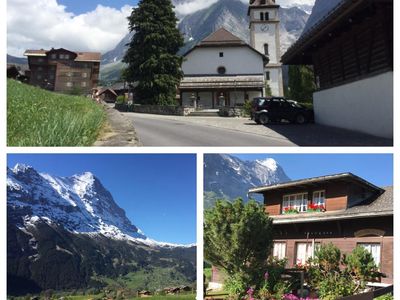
(231, 112)
(163, 110)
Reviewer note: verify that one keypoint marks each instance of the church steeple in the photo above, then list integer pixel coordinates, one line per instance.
(265, 38)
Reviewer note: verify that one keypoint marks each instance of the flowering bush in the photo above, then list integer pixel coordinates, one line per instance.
(316, 208)
(294, 297)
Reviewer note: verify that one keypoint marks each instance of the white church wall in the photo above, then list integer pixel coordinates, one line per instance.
(269, 37)
(275, 75)
(357, 105)
(236, 60)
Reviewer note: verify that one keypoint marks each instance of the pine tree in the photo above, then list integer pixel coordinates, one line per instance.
(152, 57)
(301, 83)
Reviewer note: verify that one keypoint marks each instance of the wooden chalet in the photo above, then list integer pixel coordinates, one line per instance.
(343, 209)
(63, 70)
(350, 45)
(107, 95)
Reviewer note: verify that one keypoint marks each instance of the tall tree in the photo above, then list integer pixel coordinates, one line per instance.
(152, 57)
(238, 239)
(301, 83)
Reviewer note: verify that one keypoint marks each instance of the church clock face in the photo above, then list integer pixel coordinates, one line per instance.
(264, 28)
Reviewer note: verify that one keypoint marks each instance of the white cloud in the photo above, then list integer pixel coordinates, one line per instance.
(295, 2)
(45, 24)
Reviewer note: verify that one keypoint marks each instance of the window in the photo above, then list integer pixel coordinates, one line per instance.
(40, 60)
(69, 84)
(221, 54)
(319, 198)
(266, 49)
(267, 16)
(69, 74)
(279, 250)
(62, 56)
(221, 70)
(375, 250)
(305, 251)
(54, 56)
(66, 56)
(263, 2)
(39, 77)
(297, 201)
(261, 16)
(84, 75)
(84, 84)
(40, 68)
(267, 75)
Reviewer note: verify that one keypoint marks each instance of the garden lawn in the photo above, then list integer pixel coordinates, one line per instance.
(36, 117)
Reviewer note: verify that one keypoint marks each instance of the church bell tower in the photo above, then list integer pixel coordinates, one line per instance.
(265, 38)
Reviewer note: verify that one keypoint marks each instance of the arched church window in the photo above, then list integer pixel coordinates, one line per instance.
(266, 49)
(261, 16)
(267, 16)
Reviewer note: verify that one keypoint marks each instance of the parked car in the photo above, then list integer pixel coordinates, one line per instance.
(275, 109)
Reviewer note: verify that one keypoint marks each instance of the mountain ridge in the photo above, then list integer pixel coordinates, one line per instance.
(228, 177)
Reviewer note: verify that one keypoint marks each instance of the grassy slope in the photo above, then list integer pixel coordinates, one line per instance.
(36, 117)
(152, 279)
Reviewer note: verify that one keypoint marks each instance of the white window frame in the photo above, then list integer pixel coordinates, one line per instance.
(54, 56)
(279, 250)
(84, 84)
(319, 197)
(377, 255)
(69, 84)
(310, 249)
(297, 201)
(84, 75)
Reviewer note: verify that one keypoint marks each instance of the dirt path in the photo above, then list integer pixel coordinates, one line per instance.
(118, 131)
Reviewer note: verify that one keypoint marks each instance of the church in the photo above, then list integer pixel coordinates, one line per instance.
(223, 70)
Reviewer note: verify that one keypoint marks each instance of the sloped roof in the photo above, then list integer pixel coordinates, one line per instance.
(320, 179)
(108, 89)
(81, 56)
(382, 205)
(213, 82)
(222, 36)
(258, 3)
(325, 16)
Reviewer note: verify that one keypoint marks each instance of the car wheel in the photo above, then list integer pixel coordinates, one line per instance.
(264, 119)
(300, 119)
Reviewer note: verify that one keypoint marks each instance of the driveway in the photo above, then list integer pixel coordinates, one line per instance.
(158, 130)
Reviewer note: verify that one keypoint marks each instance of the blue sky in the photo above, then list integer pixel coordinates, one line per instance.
(376, 168)
(78, 7)
(157, 191)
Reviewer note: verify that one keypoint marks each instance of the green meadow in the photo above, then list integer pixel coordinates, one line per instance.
(36, 117)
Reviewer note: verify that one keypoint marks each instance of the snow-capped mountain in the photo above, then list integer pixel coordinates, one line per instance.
(195, 26)
(79, 203)
(63, 232)
(229, 177)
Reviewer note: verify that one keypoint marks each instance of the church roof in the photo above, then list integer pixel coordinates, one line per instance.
(263, 3)
(224, 38)
(224, 82)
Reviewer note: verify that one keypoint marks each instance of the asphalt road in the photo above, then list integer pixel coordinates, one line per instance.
(167, 132)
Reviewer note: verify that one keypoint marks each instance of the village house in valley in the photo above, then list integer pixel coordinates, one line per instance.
(350, 45)
(62, 70)
(223, 70)
(343, 209)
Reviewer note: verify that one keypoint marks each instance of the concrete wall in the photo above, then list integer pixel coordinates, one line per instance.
(163, 110)
(365, 105)
(236, 60)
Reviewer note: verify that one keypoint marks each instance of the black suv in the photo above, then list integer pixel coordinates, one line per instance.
(274, 109)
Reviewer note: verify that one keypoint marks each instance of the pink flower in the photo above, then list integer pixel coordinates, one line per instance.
(266, 275)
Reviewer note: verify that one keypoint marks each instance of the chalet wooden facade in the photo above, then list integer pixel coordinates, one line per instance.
(62, 70)
(343, 209)
(350, 45)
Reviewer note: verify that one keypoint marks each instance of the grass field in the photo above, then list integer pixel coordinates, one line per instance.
(98, 297)
(36, 117)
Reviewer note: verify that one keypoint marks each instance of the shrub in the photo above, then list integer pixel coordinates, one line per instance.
(121, 99)
(247, 107)
(238, 239)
